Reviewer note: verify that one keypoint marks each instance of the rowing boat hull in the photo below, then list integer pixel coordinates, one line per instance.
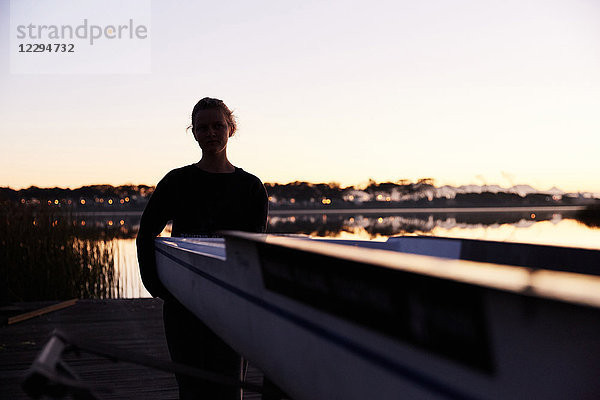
(325, 322)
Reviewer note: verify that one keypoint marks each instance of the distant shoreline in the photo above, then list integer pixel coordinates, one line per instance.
(395, 210)
(423, 210)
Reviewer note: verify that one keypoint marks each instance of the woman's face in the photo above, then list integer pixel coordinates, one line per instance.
(211, 131)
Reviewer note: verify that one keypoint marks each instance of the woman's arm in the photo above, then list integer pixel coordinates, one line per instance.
(154, 219)
(261, 208)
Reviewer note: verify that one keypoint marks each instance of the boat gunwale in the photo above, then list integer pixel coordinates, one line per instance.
(569, 287)
(165, 241)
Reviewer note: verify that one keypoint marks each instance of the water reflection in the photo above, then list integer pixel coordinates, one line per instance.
(127, 270)
(544, 227)
(458, 224)
(115, 234)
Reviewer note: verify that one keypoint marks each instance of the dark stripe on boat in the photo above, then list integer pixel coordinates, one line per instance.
(441, 316)
(405, 372)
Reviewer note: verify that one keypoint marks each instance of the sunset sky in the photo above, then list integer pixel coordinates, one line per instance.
(459, 91)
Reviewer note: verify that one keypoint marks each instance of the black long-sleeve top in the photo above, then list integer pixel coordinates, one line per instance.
(199, 203)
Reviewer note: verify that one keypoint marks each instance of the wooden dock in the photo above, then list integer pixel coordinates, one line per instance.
(131, 324)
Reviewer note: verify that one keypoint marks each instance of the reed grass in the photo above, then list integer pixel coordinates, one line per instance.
(46, 256)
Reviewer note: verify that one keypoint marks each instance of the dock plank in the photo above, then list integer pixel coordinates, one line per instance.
(130, 324)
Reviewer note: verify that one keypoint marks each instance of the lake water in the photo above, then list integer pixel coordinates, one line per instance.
(551, 228)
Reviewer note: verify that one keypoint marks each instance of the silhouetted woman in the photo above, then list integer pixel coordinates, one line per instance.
(201, 199)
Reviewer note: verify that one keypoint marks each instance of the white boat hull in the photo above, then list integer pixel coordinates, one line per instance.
(323, 326)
